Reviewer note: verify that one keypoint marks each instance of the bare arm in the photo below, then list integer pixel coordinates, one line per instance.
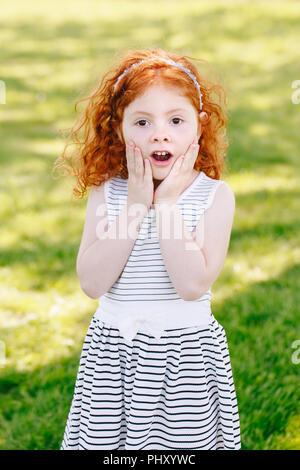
(195, 260)
(102, 258)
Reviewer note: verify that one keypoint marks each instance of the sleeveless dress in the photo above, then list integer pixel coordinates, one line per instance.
(161, 385)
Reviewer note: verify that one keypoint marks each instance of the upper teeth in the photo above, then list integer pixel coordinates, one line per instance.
(161, 153)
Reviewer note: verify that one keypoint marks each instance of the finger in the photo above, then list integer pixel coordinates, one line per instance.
(139, 161)
(130, 158)
(178, 163)
(193, 151)
(190, 156)
(148, 169)
(197, 147)
(180, 160)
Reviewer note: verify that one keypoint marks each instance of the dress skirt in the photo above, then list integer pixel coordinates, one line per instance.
(176, 392)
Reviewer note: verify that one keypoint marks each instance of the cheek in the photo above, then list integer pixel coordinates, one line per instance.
(129, 134)
(185, 138)
(138, 136)
(186, 131)
(190, 135)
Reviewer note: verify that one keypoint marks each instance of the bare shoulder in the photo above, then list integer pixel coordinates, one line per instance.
(95, 213)
(96, 204)
(96, 197)
(224, 197)
(220, 214)
(97, 191)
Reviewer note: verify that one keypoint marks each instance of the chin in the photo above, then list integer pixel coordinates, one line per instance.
(160, 177)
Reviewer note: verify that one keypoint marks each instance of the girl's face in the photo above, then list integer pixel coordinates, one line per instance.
(161, 120)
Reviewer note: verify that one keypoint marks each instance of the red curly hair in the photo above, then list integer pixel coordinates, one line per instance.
(101, 155)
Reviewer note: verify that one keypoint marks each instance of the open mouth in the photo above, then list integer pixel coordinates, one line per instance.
(161, 156)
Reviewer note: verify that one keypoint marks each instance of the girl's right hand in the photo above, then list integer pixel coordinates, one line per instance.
(140, 177)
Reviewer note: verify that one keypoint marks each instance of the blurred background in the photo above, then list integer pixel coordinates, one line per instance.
(52, 54)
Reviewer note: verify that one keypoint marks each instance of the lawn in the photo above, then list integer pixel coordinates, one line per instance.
(55, 53)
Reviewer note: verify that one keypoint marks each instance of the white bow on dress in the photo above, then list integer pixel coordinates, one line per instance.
(130, 323)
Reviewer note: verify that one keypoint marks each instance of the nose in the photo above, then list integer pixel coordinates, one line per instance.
(160, 135)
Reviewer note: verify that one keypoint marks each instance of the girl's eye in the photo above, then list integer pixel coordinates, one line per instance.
(144, 120)
(177, 119)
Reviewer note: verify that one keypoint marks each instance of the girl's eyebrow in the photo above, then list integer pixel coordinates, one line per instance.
(168, 112)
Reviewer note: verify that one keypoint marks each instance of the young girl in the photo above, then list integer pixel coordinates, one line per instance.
(154, 372)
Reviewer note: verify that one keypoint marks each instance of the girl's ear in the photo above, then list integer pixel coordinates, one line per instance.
(203, 117)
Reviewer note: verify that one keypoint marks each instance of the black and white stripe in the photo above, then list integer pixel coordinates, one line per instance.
(172, 393)
(176, 392)
(145, 277)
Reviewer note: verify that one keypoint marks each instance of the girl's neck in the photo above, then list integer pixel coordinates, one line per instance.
(156, 183)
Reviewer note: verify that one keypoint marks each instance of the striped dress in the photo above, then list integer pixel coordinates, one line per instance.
(174, 390)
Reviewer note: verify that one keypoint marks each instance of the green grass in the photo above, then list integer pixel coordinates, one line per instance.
(55, 53)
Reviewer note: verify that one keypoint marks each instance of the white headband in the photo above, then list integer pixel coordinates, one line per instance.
(169, 61)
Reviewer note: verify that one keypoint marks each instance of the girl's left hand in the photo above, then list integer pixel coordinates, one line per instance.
(174, 184)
